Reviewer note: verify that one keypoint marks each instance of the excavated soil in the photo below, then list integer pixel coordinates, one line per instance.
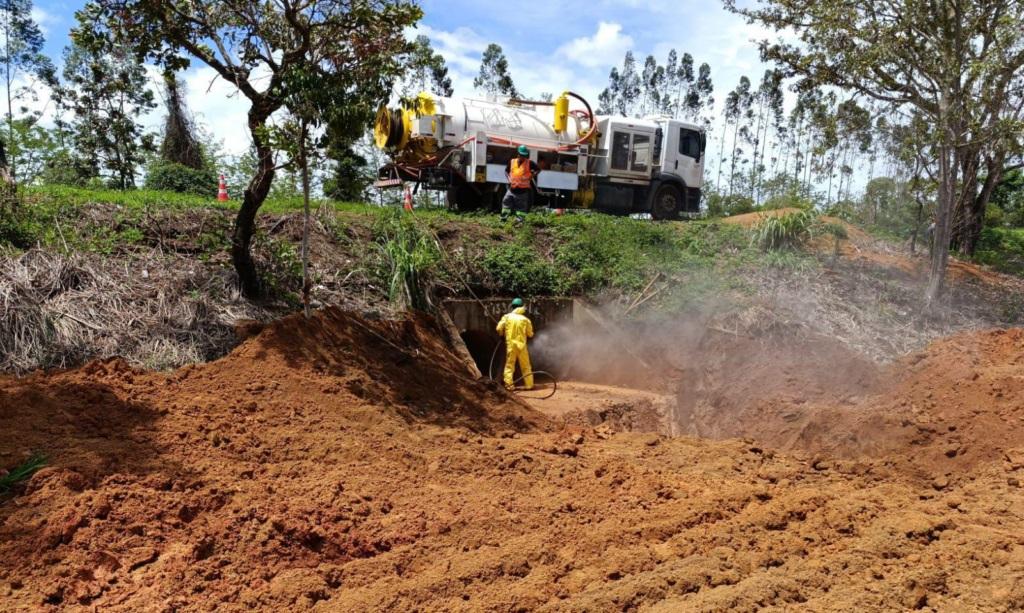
(342, 464)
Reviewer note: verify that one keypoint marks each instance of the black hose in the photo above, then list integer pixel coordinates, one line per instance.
(490, 375)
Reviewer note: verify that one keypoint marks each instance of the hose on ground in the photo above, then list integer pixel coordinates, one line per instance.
(490, 375)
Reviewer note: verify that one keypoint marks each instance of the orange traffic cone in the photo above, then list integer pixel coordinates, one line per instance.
(407, 200)
(222, 190)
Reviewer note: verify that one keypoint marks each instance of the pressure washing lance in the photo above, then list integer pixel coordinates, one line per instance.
(554, 381)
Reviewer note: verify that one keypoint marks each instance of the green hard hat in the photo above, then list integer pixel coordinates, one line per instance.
(523, 150)
(517, 302)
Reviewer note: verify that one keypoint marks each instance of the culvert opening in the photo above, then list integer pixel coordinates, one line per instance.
(476, 321)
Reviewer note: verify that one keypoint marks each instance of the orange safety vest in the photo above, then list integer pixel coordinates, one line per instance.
(519, 173)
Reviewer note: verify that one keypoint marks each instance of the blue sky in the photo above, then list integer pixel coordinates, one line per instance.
(551, 46)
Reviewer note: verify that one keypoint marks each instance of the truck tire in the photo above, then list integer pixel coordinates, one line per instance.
(667, 202)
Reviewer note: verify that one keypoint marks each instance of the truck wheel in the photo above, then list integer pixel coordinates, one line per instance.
(461, 198)
(667, 202)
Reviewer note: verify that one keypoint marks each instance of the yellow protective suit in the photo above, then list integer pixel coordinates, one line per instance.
(516, 327)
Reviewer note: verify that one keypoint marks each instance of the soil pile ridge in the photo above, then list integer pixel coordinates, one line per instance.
(341, 465)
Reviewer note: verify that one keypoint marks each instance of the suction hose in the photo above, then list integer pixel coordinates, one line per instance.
(590, 112)
(554, 381)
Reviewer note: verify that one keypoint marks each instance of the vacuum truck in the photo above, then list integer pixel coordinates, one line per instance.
(616, 165)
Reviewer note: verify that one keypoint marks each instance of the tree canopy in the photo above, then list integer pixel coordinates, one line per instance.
(329, 61)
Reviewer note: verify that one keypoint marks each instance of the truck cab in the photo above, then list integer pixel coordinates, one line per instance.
(652, 165)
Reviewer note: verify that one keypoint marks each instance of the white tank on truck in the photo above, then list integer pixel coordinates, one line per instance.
(611, 164)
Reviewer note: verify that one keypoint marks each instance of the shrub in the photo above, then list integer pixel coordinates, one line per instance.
(722, 206)
(174, 177)
(18, 228)
(518, 269)
(1002, 248)
(408, 257)
(65, 169)
(784, 232)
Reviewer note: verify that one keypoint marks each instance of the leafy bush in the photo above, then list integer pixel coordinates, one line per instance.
(63, 168)
(791, 199)
(722, 206)
(174, 177)
(407, 258)
(1003, 249)
(787, 231)
(518, 269)
(279, 264)
(18, 229)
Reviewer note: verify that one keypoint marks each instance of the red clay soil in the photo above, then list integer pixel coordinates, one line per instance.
(347, 465)
(936, 414)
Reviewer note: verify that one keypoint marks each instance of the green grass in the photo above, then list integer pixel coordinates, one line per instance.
(789, 231)
(143, 199)
(573, 254)
(21, 472)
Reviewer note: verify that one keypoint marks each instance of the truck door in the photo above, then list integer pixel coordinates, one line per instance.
(685, 158)
(631, 154)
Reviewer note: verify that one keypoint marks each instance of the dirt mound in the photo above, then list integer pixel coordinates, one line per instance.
(749, 220)
(941, 411)
(347, 465)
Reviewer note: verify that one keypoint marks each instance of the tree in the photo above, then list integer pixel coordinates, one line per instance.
(704, 90)
(629, 86)
(34, 146)
(179, 144)
(651, 80)
(957, 62)
(737, 109)
(350, 176)
(21, 54)
(346, 51)
(671, 85)
(769, 100)
(494, 77)
(608, 100)
(107, 92)
(684, 84)
(427, 71)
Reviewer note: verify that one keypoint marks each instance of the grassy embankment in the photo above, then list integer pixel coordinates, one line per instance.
(576, 254)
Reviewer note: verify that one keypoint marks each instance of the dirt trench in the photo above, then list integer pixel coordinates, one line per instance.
(348, 464)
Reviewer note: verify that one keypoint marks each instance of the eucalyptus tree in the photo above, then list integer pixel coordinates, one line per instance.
(494, 77)
(956, 62)
(427, 71)
(737, 111)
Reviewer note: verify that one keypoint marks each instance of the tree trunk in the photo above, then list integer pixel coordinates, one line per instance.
(721, 157)
(732, 166)
(970, 218)
(253, 197)
(304, 160)
(943, 222)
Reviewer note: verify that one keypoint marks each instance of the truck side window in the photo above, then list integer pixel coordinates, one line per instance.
(641, 152)
(689, 143)
(620, 151)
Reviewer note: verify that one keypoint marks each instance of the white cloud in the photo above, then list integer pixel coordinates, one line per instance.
(218, 106)
(43, 19)
(605, 48)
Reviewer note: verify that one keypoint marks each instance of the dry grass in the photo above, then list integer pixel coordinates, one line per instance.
(156, 311)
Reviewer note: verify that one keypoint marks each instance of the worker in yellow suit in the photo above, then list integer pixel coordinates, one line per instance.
(517, 327)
